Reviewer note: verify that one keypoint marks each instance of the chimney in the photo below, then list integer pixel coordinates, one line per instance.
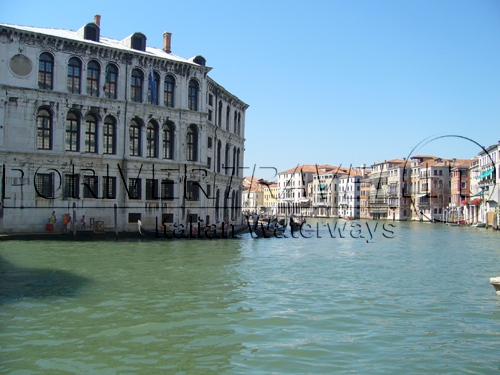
(97, 20)
(167, 38)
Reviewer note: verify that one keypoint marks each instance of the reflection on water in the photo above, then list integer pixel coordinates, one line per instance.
(417, 303)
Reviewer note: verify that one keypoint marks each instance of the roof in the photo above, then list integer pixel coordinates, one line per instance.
(103, 41)
(302, 168)
(390, 161)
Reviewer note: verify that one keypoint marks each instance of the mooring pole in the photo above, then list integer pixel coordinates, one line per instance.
(74, 219)
(116, 221)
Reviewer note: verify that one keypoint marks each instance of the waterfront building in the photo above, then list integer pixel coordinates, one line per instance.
(292, 189)
(271, 198)
(253, 196)
(91, 123)
(460, 188)
(350, 194)
(324, 192)
(485, 185)
(398, 200)
(364, 200)
(378, 189)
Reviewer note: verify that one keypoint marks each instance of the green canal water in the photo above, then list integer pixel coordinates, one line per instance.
(417, 303)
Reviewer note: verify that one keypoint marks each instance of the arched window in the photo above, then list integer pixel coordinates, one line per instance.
(72, 132)
(111, 86)
(91, 32)
(152, 139)
(219, 149)
(90, 134)
(219, 115)
(156, 79)
(193, 95)
(235, 122)
(45, 71)
(234, 162)
(192, 143)
(109, 136)
(168, 141)
(238, 162)
(74, 75)
(135, 138)
(136, 86)
(226, 161)
(239, 124)
(227, 118)
(93, 73)
(217, 205)
(168, 92)
(44, 130)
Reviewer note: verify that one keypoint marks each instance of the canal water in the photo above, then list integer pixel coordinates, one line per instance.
(415, 301)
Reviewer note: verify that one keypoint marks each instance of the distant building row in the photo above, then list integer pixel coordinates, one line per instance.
(425, 188)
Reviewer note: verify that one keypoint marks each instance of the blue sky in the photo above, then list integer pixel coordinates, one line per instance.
(328, 82)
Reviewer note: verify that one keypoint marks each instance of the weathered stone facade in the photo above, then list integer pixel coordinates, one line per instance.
(66, 141)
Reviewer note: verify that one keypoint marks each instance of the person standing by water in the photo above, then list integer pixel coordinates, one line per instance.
(83, 222)
(65, 222)
(52, 221)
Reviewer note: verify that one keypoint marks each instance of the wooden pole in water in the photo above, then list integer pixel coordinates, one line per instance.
(116, 221)
(74, 219)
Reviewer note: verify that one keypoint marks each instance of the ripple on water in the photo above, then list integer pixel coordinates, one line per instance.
(418, 303)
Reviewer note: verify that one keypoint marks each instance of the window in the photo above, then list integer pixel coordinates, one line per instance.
(239, 123)
(210, 99)
(152, 140)
(134, 217)
(134, 188)
(44, 185)
(235, 122)
(109, 187)
(193, 95)
(169, 91)
(167, 189)
(45, 71)
(192, 143)
(193, 191)
(220, 114)
(139, 42)
(209, 142)
(168, 141)
(167, 218)
(90, 134)
(210, 115)
(44, 130)
(91, 32)
(219, 147)
(135, 138)
(226, 161)
(227, 118)
(136, 86)
(71, 186)
(209, 162)
(464, 185)
(111, 86)
(152, 189)
(90, 186)
(440, 172)
(109, 136)
(74, 75)
(156, 79)
(93, 72)
(72, 132)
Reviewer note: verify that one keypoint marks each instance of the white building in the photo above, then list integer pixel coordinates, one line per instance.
(80, 127)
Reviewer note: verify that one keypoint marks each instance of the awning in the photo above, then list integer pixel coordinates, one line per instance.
(480, 194)
(485, 174)
(421, 195)
(322, 187)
